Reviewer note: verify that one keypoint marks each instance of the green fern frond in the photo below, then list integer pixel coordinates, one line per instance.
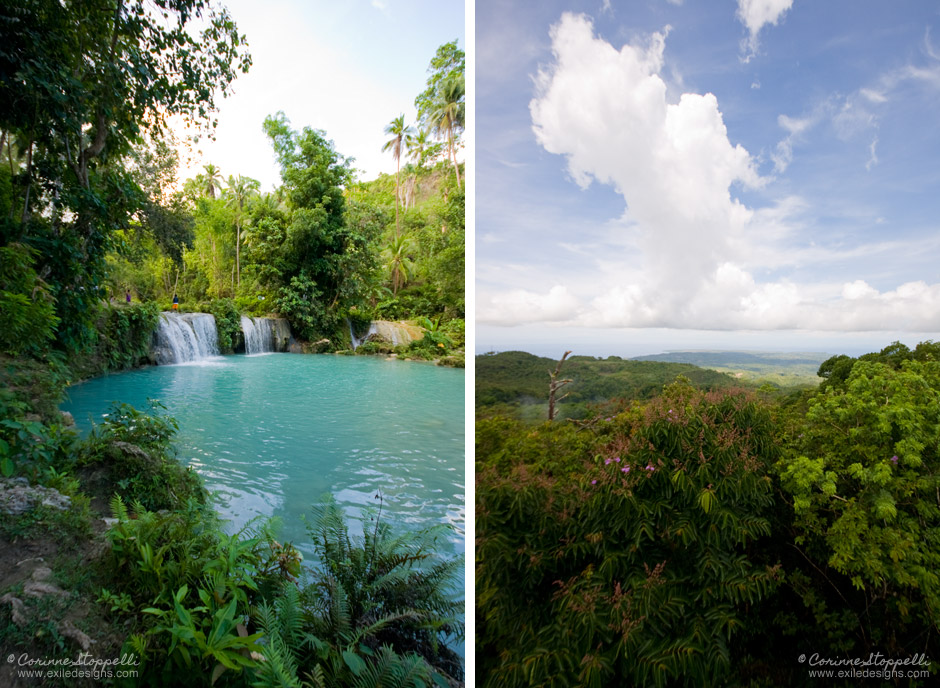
(118, 508)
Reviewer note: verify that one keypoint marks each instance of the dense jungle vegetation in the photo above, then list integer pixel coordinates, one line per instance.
(91, 207)
(716, 537)
(91, 210)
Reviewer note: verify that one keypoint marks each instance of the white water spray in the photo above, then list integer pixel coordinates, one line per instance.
(185, 337)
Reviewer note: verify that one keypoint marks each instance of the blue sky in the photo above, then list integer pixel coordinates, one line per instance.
(747, 174)
(348, 68)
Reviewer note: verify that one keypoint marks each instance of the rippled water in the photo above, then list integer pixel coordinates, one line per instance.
(270, 434)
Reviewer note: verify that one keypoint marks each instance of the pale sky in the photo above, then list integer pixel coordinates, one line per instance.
(348, 68)
(741, 174)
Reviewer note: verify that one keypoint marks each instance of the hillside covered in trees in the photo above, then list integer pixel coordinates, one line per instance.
(716, 536)
(516, 382)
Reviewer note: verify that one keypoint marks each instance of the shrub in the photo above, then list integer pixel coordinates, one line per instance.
(29, 391)
(228, 323)
(433, 344)
(634, 561)
(125, 333)
(455, 330)
(863, 475)
(369, 348)
(309, 314)
(135, 451)
(374, 611)
(192, 586)
(378, 608)
(30, 448)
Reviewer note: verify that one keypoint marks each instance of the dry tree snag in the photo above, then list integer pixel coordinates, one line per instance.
(554, 386)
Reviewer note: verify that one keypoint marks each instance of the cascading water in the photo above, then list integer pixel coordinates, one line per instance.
(395, 333)
(185, 337)
(357, 341)
(255, 340)
(264, 335)
(258, 336)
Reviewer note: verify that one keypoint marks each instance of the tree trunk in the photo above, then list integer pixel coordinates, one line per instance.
(10, 158)
(397, 192)
(29, 182)
(453, 153)
(12, 174)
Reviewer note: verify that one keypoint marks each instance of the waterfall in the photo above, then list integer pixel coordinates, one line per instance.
(264, 335)
(357, 341)
(184, 337)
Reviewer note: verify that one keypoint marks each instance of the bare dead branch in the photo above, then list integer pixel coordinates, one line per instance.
(554, 386)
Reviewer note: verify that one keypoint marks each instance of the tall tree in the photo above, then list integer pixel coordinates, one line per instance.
(448, 115)
(441, 105)
(422, 148)
(212, 180)
(322, 259)
(449, 62)
(401, 139)
(398, 262)
(79, 83)
(164, 214)
(239, 190)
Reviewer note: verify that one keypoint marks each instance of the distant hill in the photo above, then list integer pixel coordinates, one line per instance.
(784, 369)
(516, 378)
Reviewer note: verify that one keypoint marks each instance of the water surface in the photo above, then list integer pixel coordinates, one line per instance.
(270, 434)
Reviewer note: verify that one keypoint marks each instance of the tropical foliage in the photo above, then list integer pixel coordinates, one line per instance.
(80, 83)
(92, 210)
(712, 538)
(97, 236)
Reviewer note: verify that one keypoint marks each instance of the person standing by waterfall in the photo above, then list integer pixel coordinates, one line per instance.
(176, 302)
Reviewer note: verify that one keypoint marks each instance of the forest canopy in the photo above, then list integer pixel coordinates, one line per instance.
(92, 208)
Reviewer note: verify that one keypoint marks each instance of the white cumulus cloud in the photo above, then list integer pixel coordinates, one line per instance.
(606, 110)
(692, 256)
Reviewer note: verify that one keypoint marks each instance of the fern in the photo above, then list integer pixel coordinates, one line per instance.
(118, 508)
(376, 612)
(279, 668)
(393, 671)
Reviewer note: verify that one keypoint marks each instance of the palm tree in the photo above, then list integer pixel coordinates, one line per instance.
(398, 262)
(240, 189)
(212, 180)
(448, 115)
(401, 139)
(420, 143)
